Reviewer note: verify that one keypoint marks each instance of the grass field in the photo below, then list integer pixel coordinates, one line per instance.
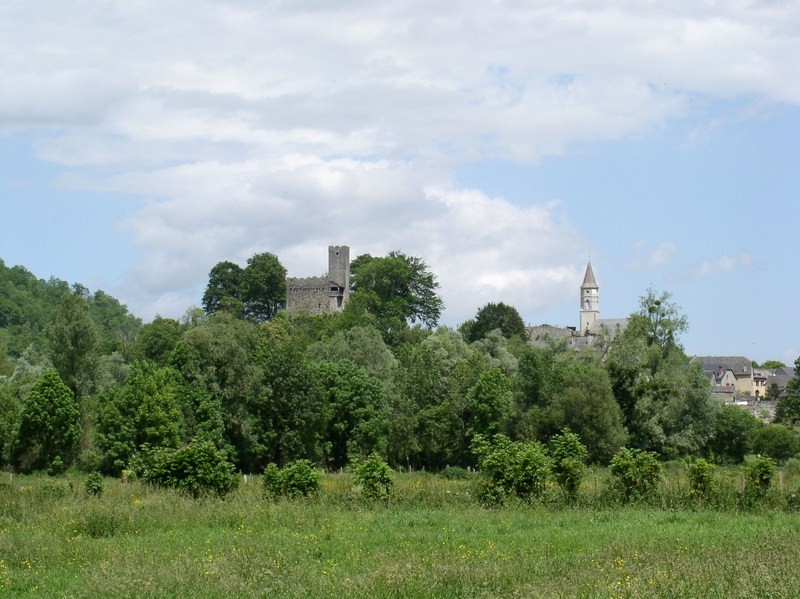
(431, 540)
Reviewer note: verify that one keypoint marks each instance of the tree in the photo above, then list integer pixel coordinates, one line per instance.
(668, 407)
(157, 339)
(263, 287)
(361, 345)
(494, 316)
(49, 424)
(731, 434)
(569, 462)
(357, 415)
(586, 406)
(395, 289)
(776, 441)
(771, 364)
(788, 408)
(488, 403)
(72, 340)
(223, 292)
(145, 411)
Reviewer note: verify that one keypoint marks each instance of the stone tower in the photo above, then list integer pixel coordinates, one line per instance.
(590, 301)
(327, 294)
(339, 275)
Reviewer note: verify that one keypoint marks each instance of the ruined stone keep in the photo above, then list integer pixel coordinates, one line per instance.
(322, 295)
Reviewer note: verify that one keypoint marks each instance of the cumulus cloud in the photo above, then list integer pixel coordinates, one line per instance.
(724, 264)
(286, 126)
(662, 255)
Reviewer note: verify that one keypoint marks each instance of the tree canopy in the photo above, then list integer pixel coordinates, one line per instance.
(395, 289)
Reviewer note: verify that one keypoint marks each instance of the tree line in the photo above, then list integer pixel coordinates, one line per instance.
(83, 383)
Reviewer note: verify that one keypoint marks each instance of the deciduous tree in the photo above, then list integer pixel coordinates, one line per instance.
(49, 424)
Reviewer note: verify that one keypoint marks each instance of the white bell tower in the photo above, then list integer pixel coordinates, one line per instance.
(590, 301)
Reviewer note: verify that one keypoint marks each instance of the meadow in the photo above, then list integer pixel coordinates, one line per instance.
(431, 539)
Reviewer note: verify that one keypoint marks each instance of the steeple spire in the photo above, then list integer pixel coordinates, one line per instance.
(588, 279)
(590, 301)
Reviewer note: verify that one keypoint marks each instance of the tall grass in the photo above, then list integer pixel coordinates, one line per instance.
(429, 539)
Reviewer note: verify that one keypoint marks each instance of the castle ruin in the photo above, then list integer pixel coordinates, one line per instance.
(322, 295)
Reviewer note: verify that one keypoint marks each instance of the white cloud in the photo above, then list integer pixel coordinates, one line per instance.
(662, 255)
(724, 264)
(286, 126)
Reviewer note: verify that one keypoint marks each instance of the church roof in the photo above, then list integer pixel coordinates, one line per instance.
(588, 279)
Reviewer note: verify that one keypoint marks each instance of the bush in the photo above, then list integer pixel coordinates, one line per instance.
(298, 479)
(454, 473)
(701, 479)
(511, 468)
(793, 499)
(569, 462)
(57, 467)
(198, 468)
(94, 484)
(375, 477)
(776, 442)
(758, 479)
(634, 474)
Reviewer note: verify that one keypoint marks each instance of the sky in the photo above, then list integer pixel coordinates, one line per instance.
(506, 143)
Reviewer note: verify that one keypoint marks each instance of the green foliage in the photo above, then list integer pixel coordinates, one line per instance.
(758, 477)
(394, 289)
(72, 342)
(788, 408)
(587, 407)
(494, 316)
(634, 475)
(776, 441)
(223, 292)
(701, 479)
(145, 411)
(732, 433)
(196, 469)
(298, 479)
(511, 469)
(57, 467)
(290, 411)
(454, 473)
(157, 339)
(263, 287)
(374, 476)
(569, 462)
(49, 424)
(363, 346)
(488, 403)
(94, 484)
(356, 412)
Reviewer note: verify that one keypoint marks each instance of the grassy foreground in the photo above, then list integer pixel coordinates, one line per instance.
(431, 540)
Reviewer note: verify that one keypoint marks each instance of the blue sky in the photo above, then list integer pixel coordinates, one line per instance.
(505, 143)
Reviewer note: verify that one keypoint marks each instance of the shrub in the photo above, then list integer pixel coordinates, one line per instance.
(776, 442)
(298, 479)
(454, 473)
(511, 468)
(634, 474)
(198, 468)
(758, 479)
(793, 499)
(375, 477)
(701, 479)
(57, 467)
(569, 462)
(94, 484)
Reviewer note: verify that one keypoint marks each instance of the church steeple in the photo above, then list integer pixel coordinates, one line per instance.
(590, 300)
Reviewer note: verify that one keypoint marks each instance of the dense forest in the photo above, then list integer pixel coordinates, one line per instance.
(85, 384)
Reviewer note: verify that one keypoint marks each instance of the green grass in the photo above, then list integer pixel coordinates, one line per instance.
(431, 540)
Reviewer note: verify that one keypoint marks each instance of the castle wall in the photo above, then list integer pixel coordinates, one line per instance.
(322, 295)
